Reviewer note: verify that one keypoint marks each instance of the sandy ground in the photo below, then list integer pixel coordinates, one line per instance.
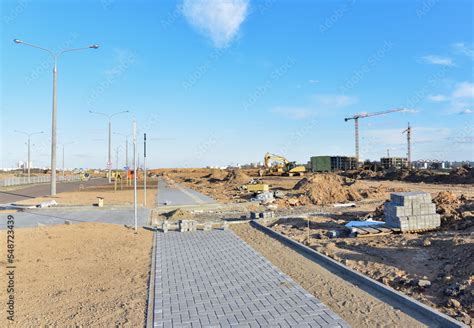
(88, 195)
(355, 306)
(86, 274)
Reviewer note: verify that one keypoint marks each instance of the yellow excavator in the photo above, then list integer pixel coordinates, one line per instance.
(279, 165)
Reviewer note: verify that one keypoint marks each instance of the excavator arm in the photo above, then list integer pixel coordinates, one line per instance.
(272, 157)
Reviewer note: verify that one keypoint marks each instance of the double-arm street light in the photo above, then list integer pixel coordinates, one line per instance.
(55, 56)
(29, 149)
(109, 116)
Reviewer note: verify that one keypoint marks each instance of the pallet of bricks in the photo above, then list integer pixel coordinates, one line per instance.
(411, 211)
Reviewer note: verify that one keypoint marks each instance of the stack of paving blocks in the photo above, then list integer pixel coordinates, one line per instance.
(225, 225)
(165, 226)
(410, 211)
(187, 225)
(207, 226)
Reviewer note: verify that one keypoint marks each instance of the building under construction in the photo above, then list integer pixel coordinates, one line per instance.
(394, 162)
(332, 163)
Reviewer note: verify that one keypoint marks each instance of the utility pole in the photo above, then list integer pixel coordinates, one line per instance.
(144, 169)
(109, 158)
(408, 131)
(135, 148)
(29, 150)
(55, 57)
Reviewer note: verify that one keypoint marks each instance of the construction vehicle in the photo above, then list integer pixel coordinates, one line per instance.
(356, 118)
(279, 165)
(256, 186)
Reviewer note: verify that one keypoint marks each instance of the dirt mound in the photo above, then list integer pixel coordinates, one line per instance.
(177, 214)
(327, 188)
(455, 209)
(237, 177)
(216, 175)
(461, 175)
(330, 188)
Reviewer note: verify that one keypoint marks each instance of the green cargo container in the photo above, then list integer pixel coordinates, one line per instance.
(320, 164)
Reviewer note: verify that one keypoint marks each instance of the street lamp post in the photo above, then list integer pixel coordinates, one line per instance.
(29, 149)
(109, 116)
(55, 57)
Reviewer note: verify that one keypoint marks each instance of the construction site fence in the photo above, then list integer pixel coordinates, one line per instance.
(17, 181)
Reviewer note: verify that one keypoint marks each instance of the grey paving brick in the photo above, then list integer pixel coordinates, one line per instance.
(214, 279)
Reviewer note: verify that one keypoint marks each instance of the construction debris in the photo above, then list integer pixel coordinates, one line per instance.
(264, 197)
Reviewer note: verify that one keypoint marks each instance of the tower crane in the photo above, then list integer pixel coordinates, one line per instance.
(364, 115)
(408, 132)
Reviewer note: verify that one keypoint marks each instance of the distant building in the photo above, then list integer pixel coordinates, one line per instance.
(394, 162)
(331, 163)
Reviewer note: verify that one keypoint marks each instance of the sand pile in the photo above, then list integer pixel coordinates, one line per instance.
(237, 177)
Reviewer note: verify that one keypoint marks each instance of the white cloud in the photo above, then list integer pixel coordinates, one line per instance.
(466, 111)
(334, 100)
(294, 113)
(438, 60)
(463, 49)
(460, 100)
(464, 90)
(313, 81)
(437, 98)
(219, 20)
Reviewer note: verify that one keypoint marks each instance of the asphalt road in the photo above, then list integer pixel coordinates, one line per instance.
(39, 190)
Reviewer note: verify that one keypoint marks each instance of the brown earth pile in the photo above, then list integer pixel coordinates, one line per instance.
(461, 175)
(177, 214)
(237, 177)
(455, 210)
(330, 188)
(216, 175)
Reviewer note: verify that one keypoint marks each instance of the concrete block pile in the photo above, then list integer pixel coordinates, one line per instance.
(187, 225)
(409, 211)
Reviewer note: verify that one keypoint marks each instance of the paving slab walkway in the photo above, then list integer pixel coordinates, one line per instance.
(214, 279)
(178, 195)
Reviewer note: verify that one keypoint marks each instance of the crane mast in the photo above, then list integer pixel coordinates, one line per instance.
(364, 115)
(408, 132)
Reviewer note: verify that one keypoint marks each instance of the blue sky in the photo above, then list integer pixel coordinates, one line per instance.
(223, 82)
